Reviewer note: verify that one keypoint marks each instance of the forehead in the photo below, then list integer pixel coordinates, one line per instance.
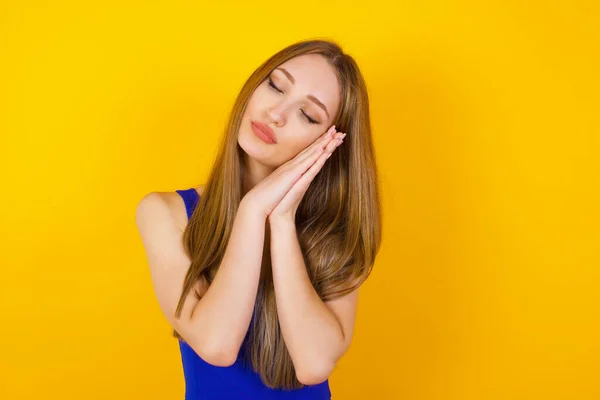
(314, 75)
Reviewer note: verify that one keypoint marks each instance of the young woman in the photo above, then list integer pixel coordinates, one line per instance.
(258, 270)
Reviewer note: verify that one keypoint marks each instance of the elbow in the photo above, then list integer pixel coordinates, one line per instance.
(219, 358)
(214, 355)
(314, 372)
(313, 375)
(211, 351)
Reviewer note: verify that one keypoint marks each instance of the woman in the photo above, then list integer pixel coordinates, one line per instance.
(258, 270)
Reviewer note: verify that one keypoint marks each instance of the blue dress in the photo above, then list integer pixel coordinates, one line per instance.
(238, 381)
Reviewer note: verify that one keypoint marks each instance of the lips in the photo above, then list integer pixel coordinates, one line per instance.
(265, 129)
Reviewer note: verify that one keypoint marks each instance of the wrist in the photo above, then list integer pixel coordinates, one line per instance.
(284, 221)
(246, 207)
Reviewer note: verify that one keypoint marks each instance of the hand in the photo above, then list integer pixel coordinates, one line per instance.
(286, 208)
(265, 195)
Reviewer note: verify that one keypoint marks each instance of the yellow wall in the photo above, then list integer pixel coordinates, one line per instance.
(485, 118)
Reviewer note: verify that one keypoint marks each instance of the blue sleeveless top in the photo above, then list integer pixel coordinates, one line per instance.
(237, 381)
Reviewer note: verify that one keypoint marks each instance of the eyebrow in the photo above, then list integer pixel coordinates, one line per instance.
(310, 96)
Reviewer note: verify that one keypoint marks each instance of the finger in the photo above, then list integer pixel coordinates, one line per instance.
(322, 141)
(311, 158)
(314, 169)
(333, 144)
(325, 151)
(322, 157)
(310, 167)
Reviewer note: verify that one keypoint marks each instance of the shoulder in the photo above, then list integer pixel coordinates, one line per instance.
(166, 202)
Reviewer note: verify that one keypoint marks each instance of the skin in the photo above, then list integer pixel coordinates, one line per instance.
(317, 333)
(283, 112)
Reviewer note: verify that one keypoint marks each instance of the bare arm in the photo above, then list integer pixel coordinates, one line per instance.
(215, 325)
(316, 334)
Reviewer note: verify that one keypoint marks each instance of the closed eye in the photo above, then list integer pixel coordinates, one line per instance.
(273, 85)
(310, 120)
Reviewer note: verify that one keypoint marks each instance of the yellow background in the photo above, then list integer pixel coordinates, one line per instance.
(485, 118)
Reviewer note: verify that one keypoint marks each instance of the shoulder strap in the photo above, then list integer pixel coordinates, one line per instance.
(190, 199)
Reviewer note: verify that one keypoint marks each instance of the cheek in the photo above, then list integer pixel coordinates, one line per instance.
(254, 100)
(302, 143)
(259, 96)
(251, 105)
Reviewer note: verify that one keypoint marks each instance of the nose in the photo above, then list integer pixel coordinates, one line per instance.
(277, 114)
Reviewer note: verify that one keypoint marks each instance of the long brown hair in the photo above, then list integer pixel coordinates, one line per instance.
(338, 220)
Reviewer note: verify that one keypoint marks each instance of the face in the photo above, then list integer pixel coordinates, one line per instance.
(298, 101)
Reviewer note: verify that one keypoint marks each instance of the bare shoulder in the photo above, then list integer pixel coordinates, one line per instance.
(161, 218)
(173, 203)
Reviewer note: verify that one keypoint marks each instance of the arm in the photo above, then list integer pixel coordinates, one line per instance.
(215, 325)
(316, 334)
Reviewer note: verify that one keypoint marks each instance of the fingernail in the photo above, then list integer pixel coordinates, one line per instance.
(343, 136)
